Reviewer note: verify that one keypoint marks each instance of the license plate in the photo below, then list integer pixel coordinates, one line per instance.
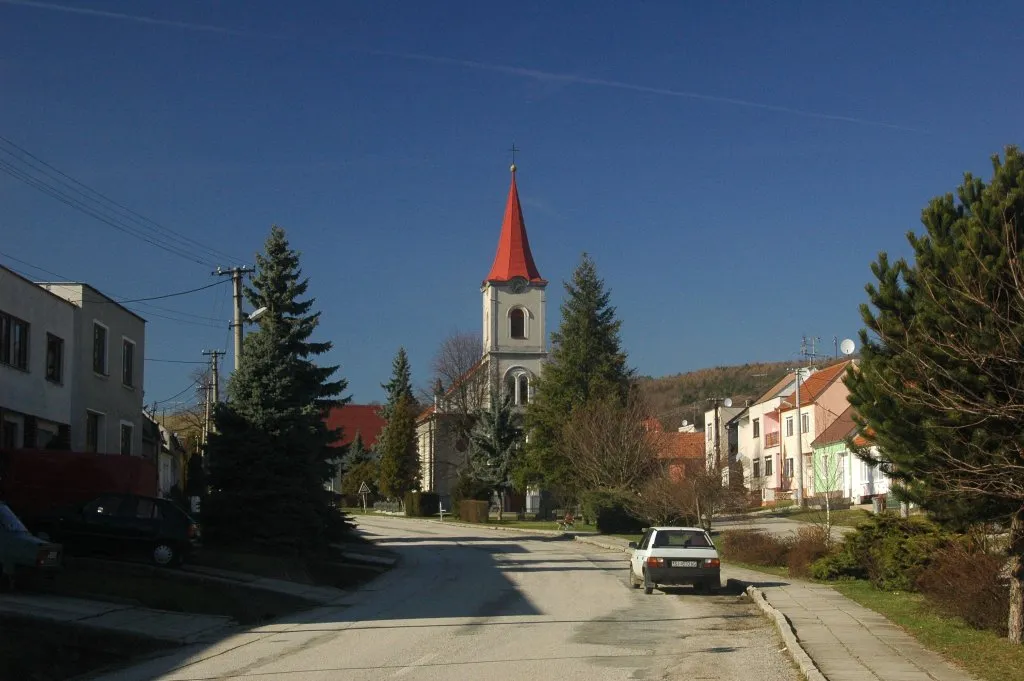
(683, 563)
(53, 555)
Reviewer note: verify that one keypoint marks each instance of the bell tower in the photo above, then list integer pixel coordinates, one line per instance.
(514, 305)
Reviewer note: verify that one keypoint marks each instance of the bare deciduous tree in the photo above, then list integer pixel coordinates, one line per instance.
(461, 381)
(611, 446)
(663, 499)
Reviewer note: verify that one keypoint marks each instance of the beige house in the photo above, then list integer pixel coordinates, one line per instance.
(514, 332)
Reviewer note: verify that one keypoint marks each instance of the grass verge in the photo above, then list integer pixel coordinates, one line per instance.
(984, 654)
(767, 569)
(846, 517)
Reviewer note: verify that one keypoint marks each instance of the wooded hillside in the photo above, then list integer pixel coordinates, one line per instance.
(685, 396)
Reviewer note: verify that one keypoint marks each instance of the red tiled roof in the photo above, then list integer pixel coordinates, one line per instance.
(815, 384)
(514, 258)
(364, 419)
(838, 430)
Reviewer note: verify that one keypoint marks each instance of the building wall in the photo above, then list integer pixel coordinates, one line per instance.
(28, 392)
(858, 481)
(105, 393)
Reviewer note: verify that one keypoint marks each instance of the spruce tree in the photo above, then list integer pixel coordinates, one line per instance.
(939, 391)
(357, 452)
(496, 446)
(399, 469)
(400, 384)
(586, 362)
(271, 454)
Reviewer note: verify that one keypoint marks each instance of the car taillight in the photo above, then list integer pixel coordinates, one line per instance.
(192, 531)
(655, 562)
(42, 556)
(712, 562)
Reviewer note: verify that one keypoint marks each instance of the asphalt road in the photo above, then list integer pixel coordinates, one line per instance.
(467, 603)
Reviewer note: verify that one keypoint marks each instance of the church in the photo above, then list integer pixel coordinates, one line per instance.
(514, 333)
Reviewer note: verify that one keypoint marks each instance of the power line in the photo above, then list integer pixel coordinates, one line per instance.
(78, 205)
(135, 300)
(175, 361)
(142, 221)
(174, 397)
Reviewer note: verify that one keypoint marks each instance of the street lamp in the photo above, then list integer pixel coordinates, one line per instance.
(255, 315)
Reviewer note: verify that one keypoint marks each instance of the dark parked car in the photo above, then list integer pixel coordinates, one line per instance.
(127, 524)
(21, 553)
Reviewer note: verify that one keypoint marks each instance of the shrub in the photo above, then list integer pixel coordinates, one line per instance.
(968, 584)
(888, 550)
(755, 547)
(610, 511)
(468, 487)
(474, 511)
(422, 504)
(810, 545)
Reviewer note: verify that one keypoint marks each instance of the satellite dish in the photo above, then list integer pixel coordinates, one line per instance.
(685, 422)
(847, 346)
(727, 402)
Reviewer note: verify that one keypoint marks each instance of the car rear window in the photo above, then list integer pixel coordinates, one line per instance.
(681, 539)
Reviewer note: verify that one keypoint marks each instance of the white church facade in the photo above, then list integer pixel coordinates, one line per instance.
(514, 334)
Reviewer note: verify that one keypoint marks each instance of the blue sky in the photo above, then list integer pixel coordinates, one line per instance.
(733, 169)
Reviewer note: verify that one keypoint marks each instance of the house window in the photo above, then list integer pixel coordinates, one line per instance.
(757, 468)
(517, 323)
(10, 428)
(709, 435)
(128, 363)
(805, 423)
(787, 468)
(13, 342)
(99, 348)
(127, 430)
(789, 426)
(757, 427)
(767, 465)
(54, 358)
(93, 431)
(524, 389)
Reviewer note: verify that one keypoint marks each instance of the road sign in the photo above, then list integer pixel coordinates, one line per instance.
(363, 488)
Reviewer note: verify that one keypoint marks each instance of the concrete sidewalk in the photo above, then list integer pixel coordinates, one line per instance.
(845, 641)
(175, 627)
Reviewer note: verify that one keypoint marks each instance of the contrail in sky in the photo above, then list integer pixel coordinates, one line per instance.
(520, 72)
(131, 17)
(620, 85)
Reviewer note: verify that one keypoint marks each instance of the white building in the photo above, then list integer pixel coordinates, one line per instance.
(71, 368)
(757, 437)
(37, 363)
(514, 349)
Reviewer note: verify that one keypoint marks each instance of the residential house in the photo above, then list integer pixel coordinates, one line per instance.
(758, 438)
(37, 364)
(840, 472)
(823, 397)
(167, 452)
(681, 451)
(106, 372)
(722, 439)
(514, 302)
(354, 419)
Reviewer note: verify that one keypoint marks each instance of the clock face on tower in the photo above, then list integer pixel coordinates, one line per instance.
(518, 285)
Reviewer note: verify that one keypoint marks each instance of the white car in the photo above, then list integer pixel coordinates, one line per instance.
(672, 556)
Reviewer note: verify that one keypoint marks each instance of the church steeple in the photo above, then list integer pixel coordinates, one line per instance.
(513, 258)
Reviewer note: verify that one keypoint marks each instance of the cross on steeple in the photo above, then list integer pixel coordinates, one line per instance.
(514, 149)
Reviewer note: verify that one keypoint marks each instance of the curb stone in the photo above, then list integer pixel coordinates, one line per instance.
(800, 656)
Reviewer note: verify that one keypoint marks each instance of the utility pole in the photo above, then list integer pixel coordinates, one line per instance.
(799, 448)
(236, 282)
(213, 388)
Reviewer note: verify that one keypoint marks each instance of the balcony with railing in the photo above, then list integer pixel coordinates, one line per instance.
(772, 439)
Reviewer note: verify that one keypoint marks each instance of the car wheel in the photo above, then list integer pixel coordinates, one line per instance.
(6, 582)
(165, 555)
(648, 587)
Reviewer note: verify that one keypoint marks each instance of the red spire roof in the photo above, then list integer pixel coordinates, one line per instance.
(513, 258)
